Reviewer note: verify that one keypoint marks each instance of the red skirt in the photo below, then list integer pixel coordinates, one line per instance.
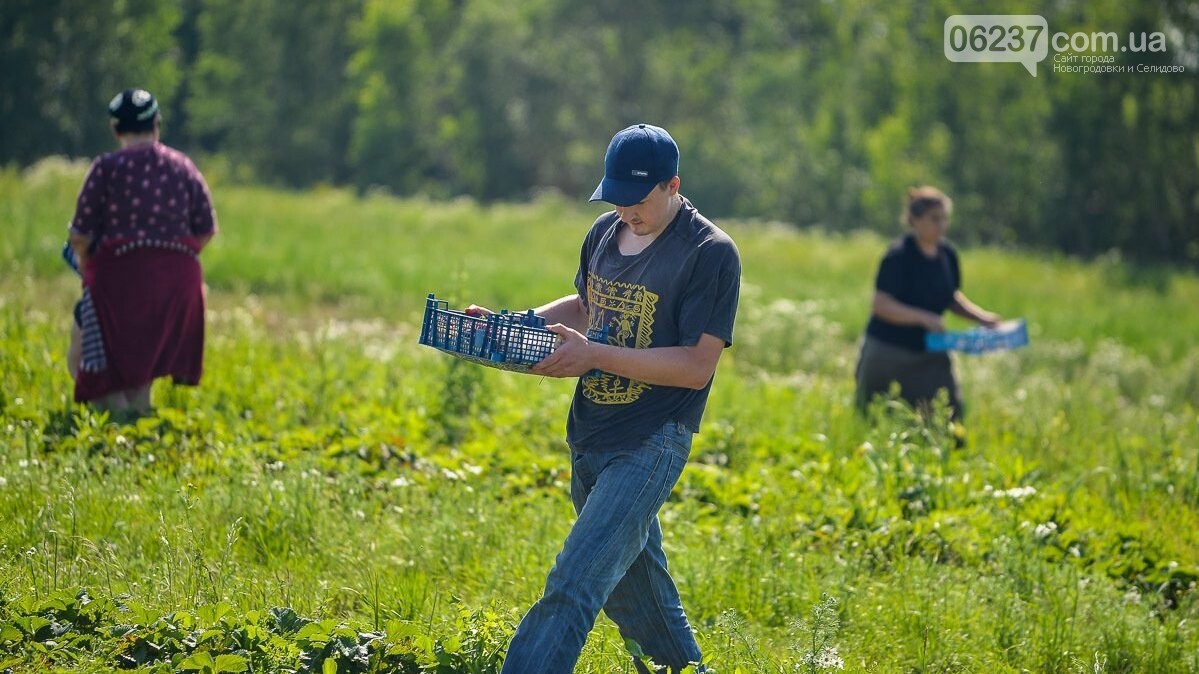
(143, 317)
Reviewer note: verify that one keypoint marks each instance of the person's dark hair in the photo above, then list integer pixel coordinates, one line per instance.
(921, 200)
(133, 111)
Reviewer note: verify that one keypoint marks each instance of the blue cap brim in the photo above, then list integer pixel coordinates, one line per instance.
(621, 192)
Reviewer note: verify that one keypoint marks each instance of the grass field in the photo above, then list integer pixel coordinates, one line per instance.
(335, 497)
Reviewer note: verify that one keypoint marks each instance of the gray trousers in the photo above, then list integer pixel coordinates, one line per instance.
(920, 375)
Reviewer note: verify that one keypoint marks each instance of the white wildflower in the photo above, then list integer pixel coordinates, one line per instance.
(1044, 530)
(826, 659)
(380, 352)
(1015, 493)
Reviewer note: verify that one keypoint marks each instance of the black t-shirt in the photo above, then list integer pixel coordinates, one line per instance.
(684, 284)
(915, 279)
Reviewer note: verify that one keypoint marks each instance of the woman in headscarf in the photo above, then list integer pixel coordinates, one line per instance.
(142, 217)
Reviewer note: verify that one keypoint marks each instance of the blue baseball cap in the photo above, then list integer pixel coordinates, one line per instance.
(638, 158)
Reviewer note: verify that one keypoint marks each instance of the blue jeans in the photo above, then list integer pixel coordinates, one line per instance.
(613, 560)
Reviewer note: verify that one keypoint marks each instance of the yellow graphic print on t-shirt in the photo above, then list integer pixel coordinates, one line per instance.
(626, 312)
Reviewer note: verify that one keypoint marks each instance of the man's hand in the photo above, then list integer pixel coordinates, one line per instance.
(476, 310)
(572, 358)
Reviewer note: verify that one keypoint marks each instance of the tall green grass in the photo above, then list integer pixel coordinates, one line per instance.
(331, 467)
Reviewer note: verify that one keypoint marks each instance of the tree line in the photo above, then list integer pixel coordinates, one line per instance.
(816, 114)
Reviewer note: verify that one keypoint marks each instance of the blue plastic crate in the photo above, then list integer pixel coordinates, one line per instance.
(508, 341)
(1007, 335)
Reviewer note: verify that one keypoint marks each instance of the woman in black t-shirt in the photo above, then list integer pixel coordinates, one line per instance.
(918, 279)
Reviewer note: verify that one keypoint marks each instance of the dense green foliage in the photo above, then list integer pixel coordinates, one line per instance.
(814, 113)
(335, 496)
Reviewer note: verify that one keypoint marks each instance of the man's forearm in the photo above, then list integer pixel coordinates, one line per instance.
(565, 310)
(683, 366)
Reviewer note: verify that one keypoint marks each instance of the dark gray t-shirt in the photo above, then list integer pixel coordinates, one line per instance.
(684, 284)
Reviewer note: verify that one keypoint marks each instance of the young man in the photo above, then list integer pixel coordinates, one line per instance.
(657, 295)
